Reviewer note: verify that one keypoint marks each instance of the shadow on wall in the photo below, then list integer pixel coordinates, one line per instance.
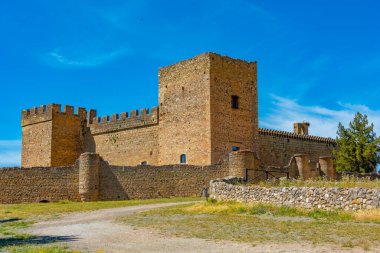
(109, 185)
(143, 182)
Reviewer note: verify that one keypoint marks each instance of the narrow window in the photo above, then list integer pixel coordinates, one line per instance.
(235, 102)
(235, 148)
(183, 158)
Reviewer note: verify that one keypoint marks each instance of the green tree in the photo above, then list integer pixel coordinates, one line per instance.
(357, 147)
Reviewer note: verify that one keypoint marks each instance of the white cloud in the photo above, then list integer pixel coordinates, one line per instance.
(93, 60)
(323, 121)
(10, 143)
(10, 153)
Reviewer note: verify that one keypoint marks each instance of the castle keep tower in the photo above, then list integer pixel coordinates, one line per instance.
(208, 107)
(51, 137)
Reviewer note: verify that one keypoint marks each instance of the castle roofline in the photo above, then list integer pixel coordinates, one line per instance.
(264, 131)
(207, 55)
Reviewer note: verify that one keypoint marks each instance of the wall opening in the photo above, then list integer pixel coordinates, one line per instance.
(182, 158)
(234, 102)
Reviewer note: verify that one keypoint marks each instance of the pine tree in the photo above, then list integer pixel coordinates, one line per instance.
(357, 146)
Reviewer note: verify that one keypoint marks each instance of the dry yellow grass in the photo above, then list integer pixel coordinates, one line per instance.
(261, 223)
(31, 210)
(207, 208)
(371, 215)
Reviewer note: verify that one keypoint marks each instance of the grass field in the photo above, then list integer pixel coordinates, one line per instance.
(261, 223)
(250, 223)
(51, 210)
(15, 217)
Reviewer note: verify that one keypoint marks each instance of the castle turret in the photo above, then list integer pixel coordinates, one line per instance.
(51, 137)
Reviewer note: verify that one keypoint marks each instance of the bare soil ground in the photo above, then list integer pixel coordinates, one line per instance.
(99, 231)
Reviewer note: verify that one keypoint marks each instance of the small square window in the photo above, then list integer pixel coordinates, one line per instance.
(234, 102)
(235, 148)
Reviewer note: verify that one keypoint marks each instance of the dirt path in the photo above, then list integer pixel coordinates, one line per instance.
(97, 230)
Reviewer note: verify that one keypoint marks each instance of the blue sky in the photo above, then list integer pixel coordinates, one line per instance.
(318, 60)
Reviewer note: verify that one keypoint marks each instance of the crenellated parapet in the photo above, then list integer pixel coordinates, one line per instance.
(284, 134)
(45, 113)
(124, 120)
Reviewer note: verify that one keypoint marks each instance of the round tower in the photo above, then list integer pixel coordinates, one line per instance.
(89, 166)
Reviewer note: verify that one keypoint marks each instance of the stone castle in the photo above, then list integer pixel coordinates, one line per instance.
(208, 107)
(205, 127)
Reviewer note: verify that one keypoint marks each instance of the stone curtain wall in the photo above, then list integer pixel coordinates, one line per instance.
(129, 147)
(144, 182)
(126, 138)
(304, 197)
(277, 148)
(92, 179)
(19, 185)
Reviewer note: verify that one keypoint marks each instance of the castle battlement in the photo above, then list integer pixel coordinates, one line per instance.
(302, 137)
(46, 112)
(124, 120)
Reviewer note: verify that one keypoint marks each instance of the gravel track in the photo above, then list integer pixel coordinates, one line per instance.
(97, 230)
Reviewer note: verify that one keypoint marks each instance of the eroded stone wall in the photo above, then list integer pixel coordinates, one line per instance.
(19, 185)
(304, 197)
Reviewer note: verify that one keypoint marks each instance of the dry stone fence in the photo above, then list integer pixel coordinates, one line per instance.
(305, 197)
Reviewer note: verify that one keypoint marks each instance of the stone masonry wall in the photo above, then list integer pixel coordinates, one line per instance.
(184, 100)
(144, 182)
(275, 148)
(51, 136)
(129, 147)
(36, 144)
(19, 185)
(304, 197)
(67, 137)
(125, 139)
(232, 126)
(91, 178)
